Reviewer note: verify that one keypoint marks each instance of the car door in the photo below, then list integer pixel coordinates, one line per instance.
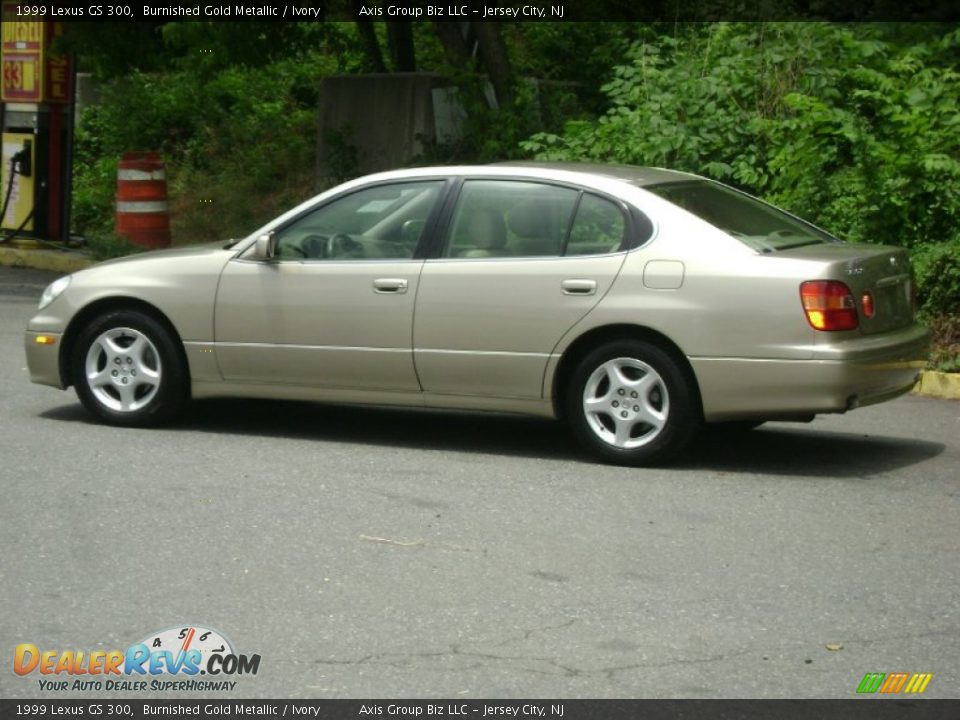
(334, 306)
(521, 262)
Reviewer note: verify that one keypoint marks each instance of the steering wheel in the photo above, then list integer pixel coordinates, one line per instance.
(313, 247)
(342, 245)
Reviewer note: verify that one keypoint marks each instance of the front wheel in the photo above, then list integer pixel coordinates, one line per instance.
(128, 370)
(629, 403)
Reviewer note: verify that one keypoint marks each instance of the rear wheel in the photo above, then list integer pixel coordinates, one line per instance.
(630, 403)
(128, 370)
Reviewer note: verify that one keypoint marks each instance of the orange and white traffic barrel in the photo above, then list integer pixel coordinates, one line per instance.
(143, 215)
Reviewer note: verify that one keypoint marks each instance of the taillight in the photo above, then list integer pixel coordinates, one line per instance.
(829, 305)
(866, 302)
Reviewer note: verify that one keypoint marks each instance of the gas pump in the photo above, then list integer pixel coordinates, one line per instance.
(16, 179)
(37, 125)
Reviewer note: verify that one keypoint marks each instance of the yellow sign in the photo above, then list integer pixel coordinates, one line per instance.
(21, 74)
(23, 55)
(58, 80)
(22, 34)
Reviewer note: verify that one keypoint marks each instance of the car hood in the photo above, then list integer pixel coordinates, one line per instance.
(190, 251)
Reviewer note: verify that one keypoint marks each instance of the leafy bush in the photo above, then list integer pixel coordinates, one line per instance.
(937, 266)
(946, 343)
(106, 246)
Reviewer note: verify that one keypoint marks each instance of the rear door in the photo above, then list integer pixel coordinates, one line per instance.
(521, 262)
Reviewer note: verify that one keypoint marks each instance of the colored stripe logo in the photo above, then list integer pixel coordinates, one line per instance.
(893, 683)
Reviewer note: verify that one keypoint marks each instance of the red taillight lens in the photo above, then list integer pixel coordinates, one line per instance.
(829, 305)
(866, 302)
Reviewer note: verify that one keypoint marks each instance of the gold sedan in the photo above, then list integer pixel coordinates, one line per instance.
(635, 303)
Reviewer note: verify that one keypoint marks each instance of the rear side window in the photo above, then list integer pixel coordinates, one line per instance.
(507, 218)
(755, 223)
(512, 218)
(598, 227)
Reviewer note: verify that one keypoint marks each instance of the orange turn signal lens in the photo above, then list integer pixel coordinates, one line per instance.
(45, 340)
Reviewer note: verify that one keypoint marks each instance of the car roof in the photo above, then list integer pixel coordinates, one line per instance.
(633, 174)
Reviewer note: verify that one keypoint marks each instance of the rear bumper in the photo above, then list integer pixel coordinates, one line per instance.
(852, 373)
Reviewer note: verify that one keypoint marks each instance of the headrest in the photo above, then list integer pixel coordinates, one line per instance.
(530, 220)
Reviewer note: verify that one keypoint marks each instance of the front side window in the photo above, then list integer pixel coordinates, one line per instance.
(376, 223)
(755, 223)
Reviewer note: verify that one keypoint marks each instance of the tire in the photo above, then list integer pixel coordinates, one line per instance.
(629, 402)
(128, 370)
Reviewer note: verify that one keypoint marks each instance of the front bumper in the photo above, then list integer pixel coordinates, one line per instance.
(43, 360)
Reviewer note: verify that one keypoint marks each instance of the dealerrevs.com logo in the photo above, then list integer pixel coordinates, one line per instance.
(183, 653)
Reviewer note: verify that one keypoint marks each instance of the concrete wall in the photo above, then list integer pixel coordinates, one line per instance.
(377, 121)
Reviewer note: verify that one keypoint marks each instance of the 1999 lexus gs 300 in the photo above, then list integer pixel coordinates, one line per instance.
(635, 303)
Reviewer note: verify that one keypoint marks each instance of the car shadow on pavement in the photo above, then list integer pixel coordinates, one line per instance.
(801, 449)
(777, 449)
(459, 431)
(455, 431)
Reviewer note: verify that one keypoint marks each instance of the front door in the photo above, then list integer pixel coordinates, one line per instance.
(334, 307)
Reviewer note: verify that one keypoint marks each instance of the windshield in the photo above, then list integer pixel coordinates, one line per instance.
(755, 223)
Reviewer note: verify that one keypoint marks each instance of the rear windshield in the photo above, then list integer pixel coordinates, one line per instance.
(755, 223)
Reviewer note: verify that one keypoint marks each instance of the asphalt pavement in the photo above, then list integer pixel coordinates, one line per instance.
(385, 553)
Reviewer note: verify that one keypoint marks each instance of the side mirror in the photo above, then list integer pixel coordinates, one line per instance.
(265, 247)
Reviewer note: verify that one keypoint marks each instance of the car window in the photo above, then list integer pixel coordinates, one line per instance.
(598, 227)
(507, 218)
(755, 223)
(377, 223)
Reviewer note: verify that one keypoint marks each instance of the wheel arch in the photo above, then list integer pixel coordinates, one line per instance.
(597, 336)
(109, 304)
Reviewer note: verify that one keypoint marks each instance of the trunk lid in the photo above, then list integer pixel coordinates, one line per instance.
(880, 270)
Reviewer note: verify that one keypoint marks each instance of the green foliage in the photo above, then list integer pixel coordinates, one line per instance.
(946, 342)
(106, 246)
(115, 49)
(94, 190)
(132, 45)
(216, 44)
(576, 56)
(341, 160)
(937, 266)
(844, 125)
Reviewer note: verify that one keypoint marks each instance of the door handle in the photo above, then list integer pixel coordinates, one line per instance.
(578, 287)
(395, 286)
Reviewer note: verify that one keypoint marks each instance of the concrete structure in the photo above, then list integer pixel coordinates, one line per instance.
(378, 122)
